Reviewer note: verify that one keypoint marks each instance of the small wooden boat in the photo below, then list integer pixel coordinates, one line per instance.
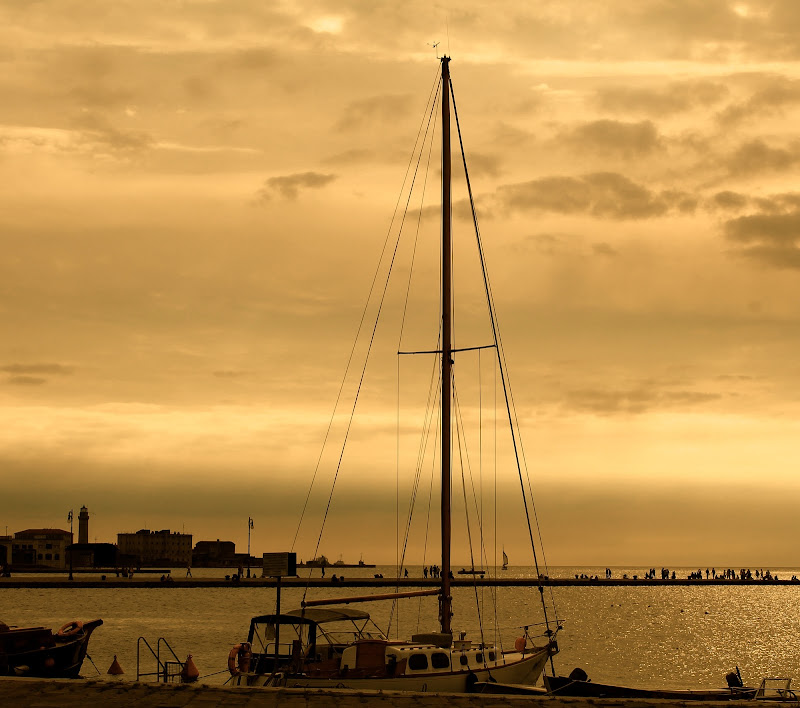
(41, 653)
(472, 571)
(575, 686)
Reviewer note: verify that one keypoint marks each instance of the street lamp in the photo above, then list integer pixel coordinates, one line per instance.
(71, 542)
(249, 528)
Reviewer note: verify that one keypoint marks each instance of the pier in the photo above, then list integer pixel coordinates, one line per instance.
(406, 583)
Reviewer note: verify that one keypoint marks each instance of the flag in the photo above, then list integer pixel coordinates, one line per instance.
(251, 521)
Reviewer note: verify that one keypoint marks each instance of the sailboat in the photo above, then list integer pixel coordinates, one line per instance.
(505, 560)
(327, 644)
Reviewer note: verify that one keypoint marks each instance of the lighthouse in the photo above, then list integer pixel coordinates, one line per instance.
(83, 525)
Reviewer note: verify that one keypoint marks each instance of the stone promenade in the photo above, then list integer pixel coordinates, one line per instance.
(38, 693)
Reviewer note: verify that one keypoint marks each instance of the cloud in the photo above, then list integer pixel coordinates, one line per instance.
(289, 186)
(97, 131)
(604, 249)
(634, 401)
(25, 380)
(374, 110)
(36, 369)
(772, 239)
(778, 93)
(674, 98)
(731, 201)
(602, 194)
(756, 156)
(606, 137)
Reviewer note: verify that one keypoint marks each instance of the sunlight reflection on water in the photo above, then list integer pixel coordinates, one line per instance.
(680, 636)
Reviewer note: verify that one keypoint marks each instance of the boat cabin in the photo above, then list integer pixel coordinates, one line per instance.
(346, 643)
(307, 637)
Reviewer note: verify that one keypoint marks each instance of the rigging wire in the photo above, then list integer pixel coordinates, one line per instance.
(512, 418)
(372, 336)
(433, 93)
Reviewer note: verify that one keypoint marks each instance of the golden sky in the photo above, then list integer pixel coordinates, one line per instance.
(194, 199)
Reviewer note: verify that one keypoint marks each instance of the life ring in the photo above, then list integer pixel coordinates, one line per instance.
(239, 659)
(70, 629)
(520, 643)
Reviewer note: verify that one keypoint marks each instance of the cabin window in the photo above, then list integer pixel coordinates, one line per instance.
(48, 556)
(463, 659)
(440, 660)
(492, 656)
(479, 657)
(417, 662)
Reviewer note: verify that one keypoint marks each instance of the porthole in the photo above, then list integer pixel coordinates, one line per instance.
(479, 657)
(463, 659)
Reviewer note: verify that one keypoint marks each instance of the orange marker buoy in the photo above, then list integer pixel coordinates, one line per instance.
(189, 672)
(115, 669)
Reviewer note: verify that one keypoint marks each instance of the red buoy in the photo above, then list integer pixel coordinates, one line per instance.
(189, 672)
(115, 669)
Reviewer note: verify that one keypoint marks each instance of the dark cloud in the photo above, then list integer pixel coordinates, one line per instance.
(756, 156)
(375, 110)
(635, 400)
(730, 201)
(611, 137)
(602, 194)
(677, 97)
(604, 249)
(289, 186)
(36, 369)
(771, 239)
(97, 130)
(775, 93)
(26, 380)
(229, 374)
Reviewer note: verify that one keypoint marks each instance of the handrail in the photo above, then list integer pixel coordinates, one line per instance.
(162, 673)
(139, 673)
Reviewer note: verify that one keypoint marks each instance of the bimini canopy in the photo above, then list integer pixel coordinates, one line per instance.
(312, 615)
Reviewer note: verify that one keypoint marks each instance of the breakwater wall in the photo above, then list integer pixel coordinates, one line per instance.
(387, 583)
(44, 693)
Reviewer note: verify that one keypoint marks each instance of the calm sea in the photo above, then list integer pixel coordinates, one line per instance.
(680, 637)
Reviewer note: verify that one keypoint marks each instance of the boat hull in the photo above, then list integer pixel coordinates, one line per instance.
(518, 668)
(564, 686)
(48, 656)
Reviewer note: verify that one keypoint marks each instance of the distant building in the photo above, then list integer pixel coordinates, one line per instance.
(95, 555)
(6, 543)
(83, 525)
(214, 553)
(157, 547)
(41, 547)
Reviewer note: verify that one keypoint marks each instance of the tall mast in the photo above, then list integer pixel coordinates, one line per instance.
(445, 605)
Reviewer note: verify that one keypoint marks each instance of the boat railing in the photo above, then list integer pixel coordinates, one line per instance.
(776, 689)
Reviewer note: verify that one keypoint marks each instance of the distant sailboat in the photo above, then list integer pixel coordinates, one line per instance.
(505, 560)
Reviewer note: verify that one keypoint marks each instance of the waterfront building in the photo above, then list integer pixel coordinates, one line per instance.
(214, 554)
(157, 547)
(5, 550)
(41, 547)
